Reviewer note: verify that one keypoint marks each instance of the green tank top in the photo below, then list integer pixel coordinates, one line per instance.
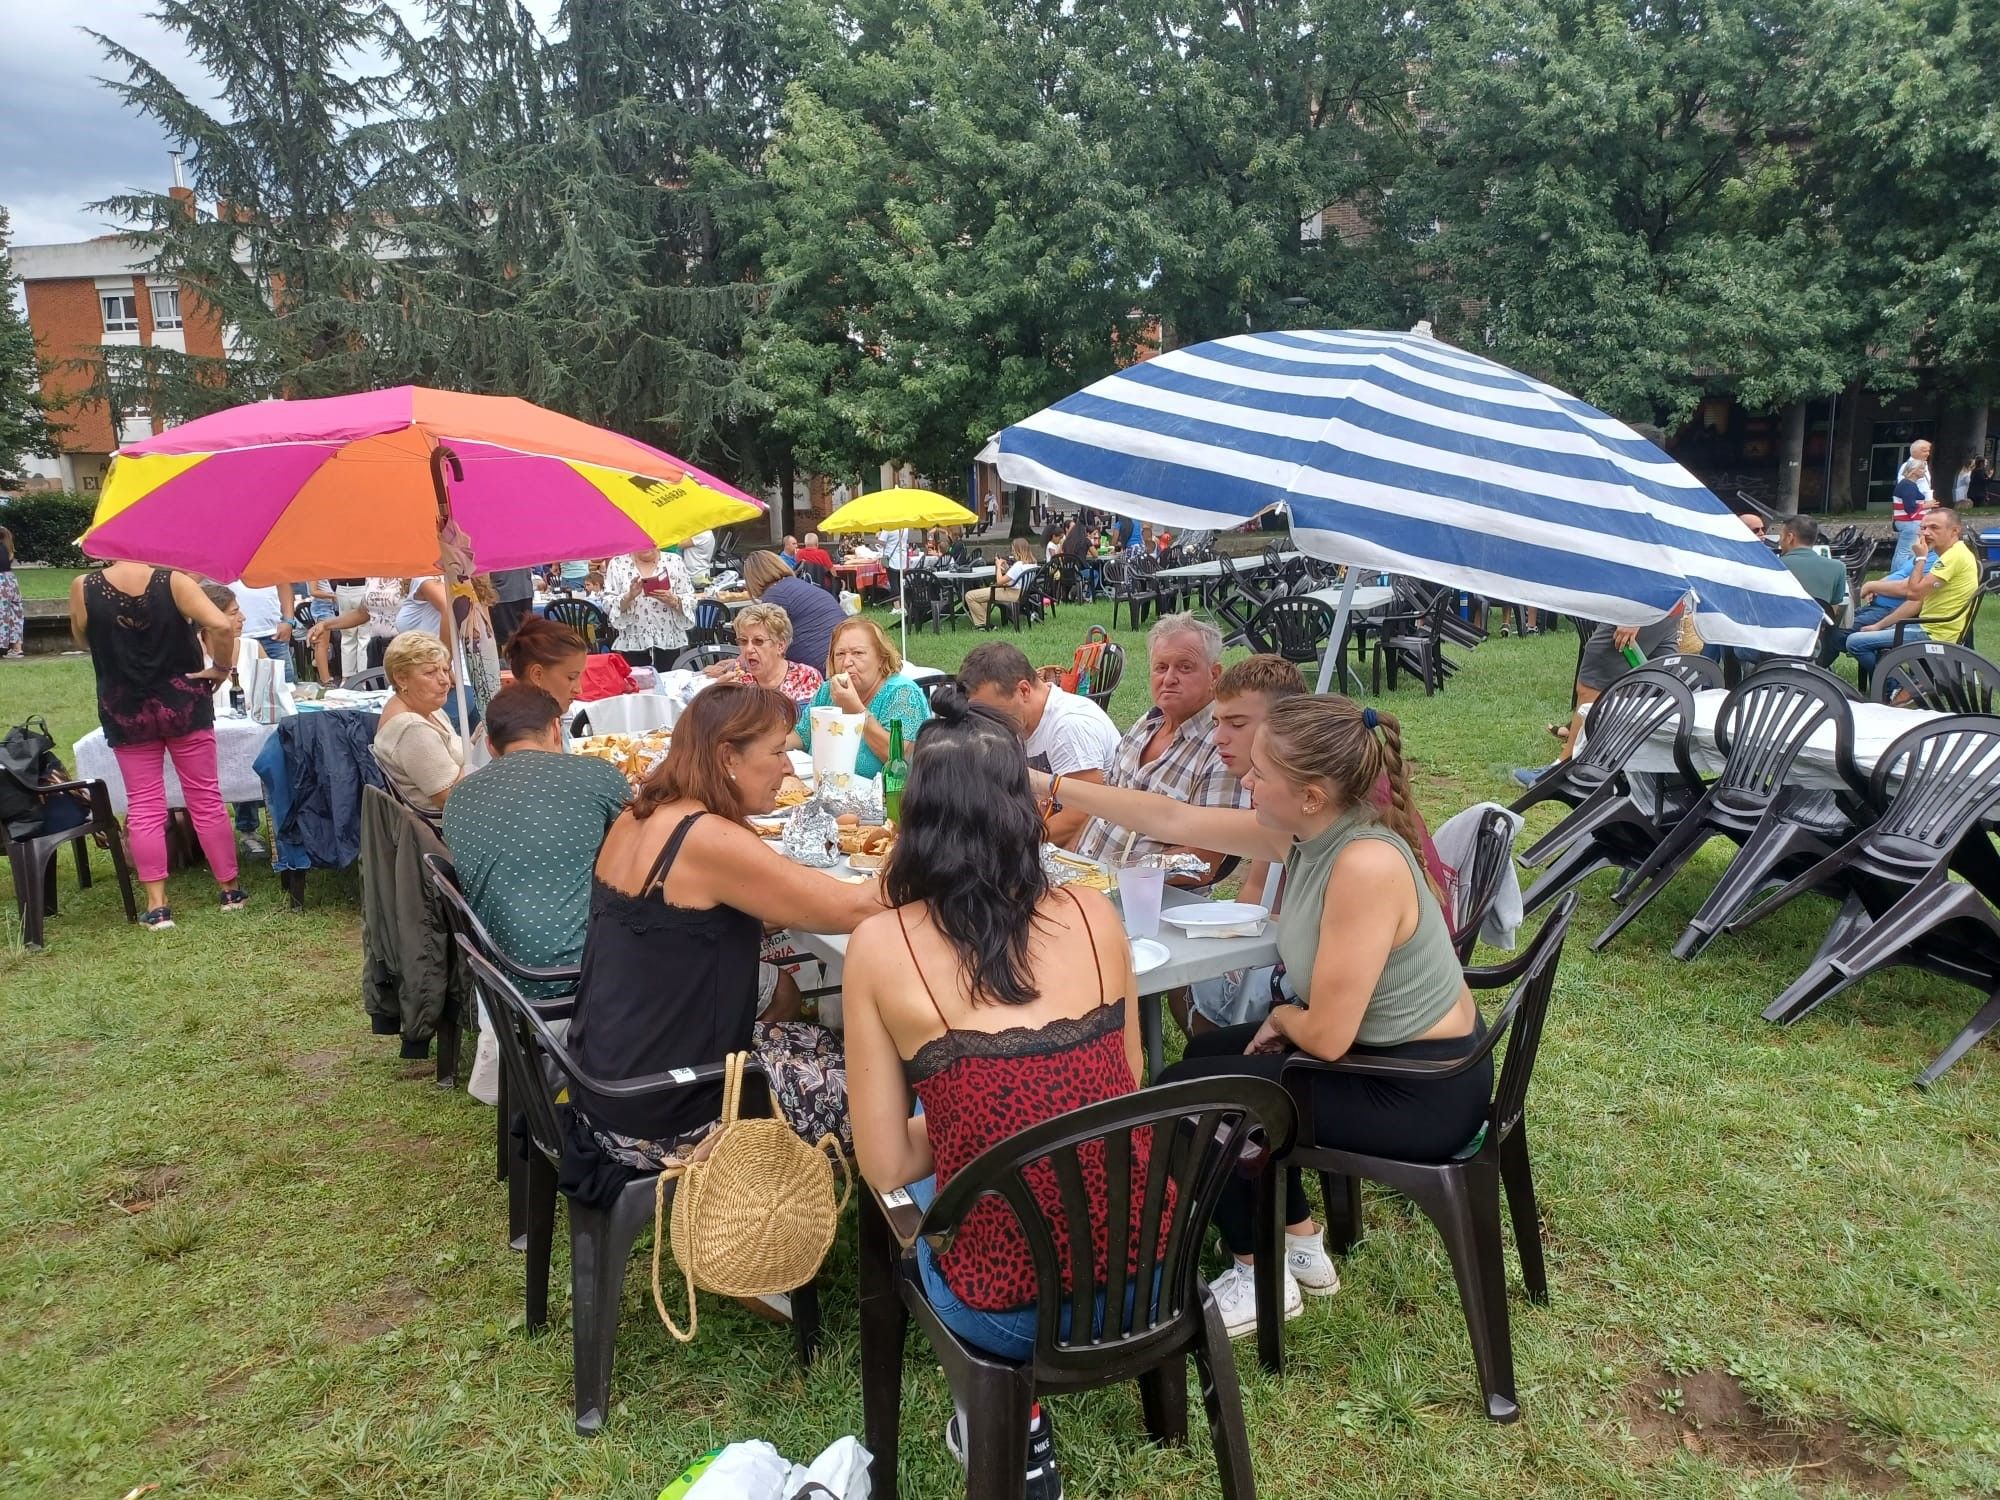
(1421, 979)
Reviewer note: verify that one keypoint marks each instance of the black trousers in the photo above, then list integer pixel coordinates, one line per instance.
(1427, 1121)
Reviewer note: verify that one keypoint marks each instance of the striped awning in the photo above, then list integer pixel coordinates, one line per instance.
(1399, 452)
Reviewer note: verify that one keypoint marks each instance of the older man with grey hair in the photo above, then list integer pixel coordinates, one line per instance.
(1172, 748)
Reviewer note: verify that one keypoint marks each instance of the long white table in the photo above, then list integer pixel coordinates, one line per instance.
(1208, 572)
(1368, 599)
(237, 741)
(1189, 959)
(1876, 727)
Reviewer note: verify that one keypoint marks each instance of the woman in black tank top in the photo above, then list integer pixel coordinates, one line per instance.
(679, 900)
(155, 699)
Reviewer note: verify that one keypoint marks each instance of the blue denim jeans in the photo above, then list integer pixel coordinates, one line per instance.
(1866, 646)
(1009, 1334)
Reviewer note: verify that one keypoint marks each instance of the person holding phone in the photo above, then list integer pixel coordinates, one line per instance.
(646, 595)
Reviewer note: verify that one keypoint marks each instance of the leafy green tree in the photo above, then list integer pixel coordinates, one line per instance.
(26, 430)
(1240, 121)
(1616, 192)
(951, 246)
(1908, 169)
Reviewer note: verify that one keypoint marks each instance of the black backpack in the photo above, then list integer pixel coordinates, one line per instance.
(27, 760)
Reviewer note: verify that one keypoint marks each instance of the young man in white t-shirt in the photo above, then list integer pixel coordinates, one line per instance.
(1067, 735)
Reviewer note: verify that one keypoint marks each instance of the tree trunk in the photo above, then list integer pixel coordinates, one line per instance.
(1023, 522)
(1791, 454)
(1840, 494)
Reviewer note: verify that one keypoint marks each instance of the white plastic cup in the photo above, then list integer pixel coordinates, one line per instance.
(1140, 889)
(836, 742)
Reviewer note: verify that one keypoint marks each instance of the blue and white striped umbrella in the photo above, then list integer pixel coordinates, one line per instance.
(1397, 451)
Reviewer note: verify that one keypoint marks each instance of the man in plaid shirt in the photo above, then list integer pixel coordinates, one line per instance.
(1171, 749)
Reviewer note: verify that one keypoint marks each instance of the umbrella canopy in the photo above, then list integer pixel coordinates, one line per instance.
(897, 510)
(1399, 452)
(279, 491)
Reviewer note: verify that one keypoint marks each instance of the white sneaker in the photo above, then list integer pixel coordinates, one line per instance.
(1311, 1267)
(1235, 1292)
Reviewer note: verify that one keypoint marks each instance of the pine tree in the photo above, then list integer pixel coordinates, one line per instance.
(26, 430)
(290, 260)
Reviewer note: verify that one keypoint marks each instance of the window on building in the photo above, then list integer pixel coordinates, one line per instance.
(121, 312)
(166, 307)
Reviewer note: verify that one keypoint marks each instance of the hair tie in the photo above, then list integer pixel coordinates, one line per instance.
(1369, 718)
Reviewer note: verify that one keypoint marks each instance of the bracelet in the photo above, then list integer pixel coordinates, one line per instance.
(1054, 804)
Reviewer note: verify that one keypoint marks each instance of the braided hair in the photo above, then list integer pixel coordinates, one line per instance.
(1348, 747)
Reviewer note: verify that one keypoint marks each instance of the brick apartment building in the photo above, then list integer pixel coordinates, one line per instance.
(87, 296)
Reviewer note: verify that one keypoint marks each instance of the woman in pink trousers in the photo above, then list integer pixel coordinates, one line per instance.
(155, 698)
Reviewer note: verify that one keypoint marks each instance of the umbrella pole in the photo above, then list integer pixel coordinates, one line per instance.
(1334, 653)
(903, 599)
(440, 457)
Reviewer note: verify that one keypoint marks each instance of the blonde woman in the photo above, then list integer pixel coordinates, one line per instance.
(864, 676)
(763, 632)
(1008, 577)
(813, 611)
(1365, 947)
(418, 750)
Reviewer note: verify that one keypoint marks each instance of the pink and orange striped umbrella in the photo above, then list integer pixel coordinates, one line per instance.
(342, 486)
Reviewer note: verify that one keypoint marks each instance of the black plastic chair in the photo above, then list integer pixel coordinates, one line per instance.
(1778, 826)
(819, 575)
(712, 625)
(1131, 583)
(1696, 670)
(587, 620)
(467, 928)
(1461, 1196)
(32, 861)
(1412, 639)
(1106, 675)
(1937, 675)
(1291, 626)
(1031, 602)
(1199, 1130)
(1617, 818)
(1235, 601)
(375, 679)
(1479, 882)
(1900, 906)
(600, 1240)
(930, 600)
(699, 658)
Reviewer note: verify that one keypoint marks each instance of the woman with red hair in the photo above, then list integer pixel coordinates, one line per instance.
(679, 899)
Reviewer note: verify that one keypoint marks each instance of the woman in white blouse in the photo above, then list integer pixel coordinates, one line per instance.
(647, 596)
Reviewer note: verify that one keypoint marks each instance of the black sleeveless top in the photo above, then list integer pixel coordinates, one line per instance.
(662, 987)
(142, 649)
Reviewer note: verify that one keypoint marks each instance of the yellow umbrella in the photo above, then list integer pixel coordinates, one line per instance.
(898, 510)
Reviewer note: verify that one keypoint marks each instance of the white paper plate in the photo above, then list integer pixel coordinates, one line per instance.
(1214, 914)
(1148, 955)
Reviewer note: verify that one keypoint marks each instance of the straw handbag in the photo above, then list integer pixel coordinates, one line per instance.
(755, 1213)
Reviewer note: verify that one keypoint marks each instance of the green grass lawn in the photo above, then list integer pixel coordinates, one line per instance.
(45, 583)
(246, 1252)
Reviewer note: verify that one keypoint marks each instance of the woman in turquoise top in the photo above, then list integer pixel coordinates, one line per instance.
(1363, 944)
(864, 676)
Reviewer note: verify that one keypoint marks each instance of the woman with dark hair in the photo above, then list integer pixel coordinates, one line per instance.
(680, 895)
(1365, 947)
(540, 653)
(998, 1000)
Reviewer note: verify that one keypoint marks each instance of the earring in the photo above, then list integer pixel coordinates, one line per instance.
(732, 775)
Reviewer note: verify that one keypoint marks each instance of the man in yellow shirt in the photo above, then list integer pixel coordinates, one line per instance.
(1938, 607)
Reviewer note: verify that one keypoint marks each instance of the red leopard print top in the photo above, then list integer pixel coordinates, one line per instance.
(980, 1087)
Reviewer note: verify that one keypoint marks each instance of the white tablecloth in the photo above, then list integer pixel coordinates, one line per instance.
(237, 742)
(1876, 727)
(1212, 569)
(1189, 959)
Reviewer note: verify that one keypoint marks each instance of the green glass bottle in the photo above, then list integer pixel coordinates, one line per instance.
(895, 771)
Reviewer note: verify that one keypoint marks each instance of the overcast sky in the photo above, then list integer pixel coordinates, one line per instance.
(65, 140)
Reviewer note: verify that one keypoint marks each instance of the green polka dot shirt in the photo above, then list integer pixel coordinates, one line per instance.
(524, 834)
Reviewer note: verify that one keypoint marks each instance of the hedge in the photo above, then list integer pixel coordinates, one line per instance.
(46, 526)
